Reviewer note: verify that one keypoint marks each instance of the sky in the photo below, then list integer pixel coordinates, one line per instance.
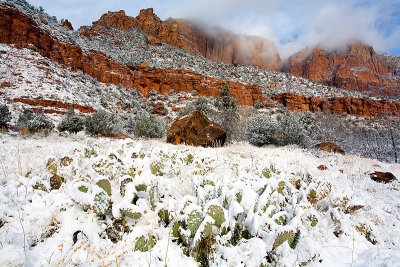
(291, 24)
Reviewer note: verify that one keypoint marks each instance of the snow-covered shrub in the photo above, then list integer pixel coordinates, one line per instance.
(149, 126)
(228, 116)
(71, 122)
(201, 104)
(225, 101)
(100, 122)
(262, 130)
(5, 115)
(291, 130)
(34, 121)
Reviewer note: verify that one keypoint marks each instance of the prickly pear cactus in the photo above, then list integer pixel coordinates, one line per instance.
(89, 152)
(144, 244)
(175, 228)
(123, 185)
(40, 186)
(56, 182)
(156, 168)
(83, 189)
(281, 187)
(193, 222)
(288, 236)
(66, 161)
(217, 213)
(51, 166)
(131, 214)
(164, 216)
(141, 187)
(266, 173)
(105, 185)
(101, 203)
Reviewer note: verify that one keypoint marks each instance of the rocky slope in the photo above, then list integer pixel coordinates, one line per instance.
(215, 44)
(357, 67)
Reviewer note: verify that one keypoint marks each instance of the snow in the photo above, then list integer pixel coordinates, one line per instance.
(39, 225)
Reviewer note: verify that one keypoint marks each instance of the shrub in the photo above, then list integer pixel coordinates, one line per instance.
(229, 115)
(149, 126)
(226, 102)
(34, 121)
(201, 104)
(71, 122)
(262, 130)
(5, 115)
(100, 122)
(291, 130)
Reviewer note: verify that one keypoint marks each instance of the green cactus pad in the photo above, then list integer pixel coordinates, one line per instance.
(156, 167)
(164, 216)
(175, 228)
(141, 187)
(101, 203)
(51, 166)
(144, 244)
(217, 213)
(105, 185)
(83, 189)
(288, 236)
(193, 222)
(130, 214)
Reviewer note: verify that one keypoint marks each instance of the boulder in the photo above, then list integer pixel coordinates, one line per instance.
(382, 177)
(330, 147)
(196, 130)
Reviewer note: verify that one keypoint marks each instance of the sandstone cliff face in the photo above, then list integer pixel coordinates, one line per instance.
(338, 105)
(356, 67)
(215, 44)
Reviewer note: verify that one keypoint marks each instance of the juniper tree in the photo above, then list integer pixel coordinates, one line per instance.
(5, 115)
(71, 122)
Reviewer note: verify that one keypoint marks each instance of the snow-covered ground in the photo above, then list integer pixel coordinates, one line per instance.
(164, 200)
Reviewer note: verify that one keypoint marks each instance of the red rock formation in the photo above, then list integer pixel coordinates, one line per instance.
(215, 44)
(66, 24)
(357, 67)
(19, 29)
(43, 103)
(338, 105)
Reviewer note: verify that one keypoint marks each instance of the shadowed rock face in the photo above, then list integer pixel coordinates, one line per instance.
(216, 44)
(356, 67)
(196, 130)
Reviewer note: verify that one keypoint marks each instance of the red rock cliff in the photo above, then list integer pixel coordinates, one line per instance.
(357, 67)
(215, 44)
(19, 29)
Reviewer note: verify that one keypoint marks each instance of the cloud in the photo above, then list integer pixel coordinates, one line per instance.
(291, 24)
